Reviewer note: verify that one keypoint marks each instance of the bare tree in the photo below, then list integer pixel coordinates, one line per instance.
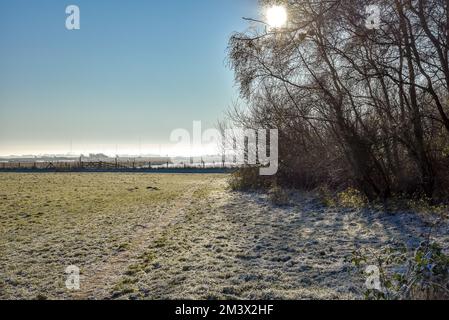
(354, 106)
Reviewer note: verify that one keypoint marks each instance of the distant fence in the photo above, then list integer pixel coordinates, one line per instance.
(112, 166)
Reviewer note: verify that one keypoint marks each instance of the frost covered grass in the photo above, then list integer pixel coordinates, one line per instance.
(142, 236)
(51, 221)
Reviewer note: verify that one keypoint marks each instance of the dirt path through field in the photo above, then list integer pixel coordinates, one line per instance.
(98, 281)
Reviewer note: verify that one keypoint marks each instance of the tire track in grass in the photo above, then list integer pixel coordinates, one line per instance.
(98, 281)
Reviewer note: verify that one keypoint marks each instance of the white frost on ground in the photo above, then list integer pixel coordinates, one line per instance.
(187, 238)
(242, 247)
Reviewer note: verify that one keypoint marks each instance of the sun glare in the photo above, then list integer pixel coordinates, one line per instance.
(276, 16)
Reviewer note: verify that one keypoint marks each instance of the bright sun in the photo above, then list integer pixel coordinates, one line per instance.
(276, 16)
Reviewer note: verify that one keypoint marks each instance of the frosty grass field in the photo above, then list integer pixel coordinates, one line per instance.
(156, 236)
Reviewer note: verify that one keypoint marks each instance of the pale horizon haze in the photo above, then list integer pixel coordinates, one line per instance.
(135, 71)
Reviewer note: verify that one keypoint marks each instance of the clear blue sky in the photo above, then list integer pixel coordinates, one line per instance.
(136, 69)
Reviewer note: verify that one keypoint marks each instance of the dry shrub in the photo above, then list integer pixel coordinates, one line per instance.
(278, 196)
(248, 178)
(352, 198)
